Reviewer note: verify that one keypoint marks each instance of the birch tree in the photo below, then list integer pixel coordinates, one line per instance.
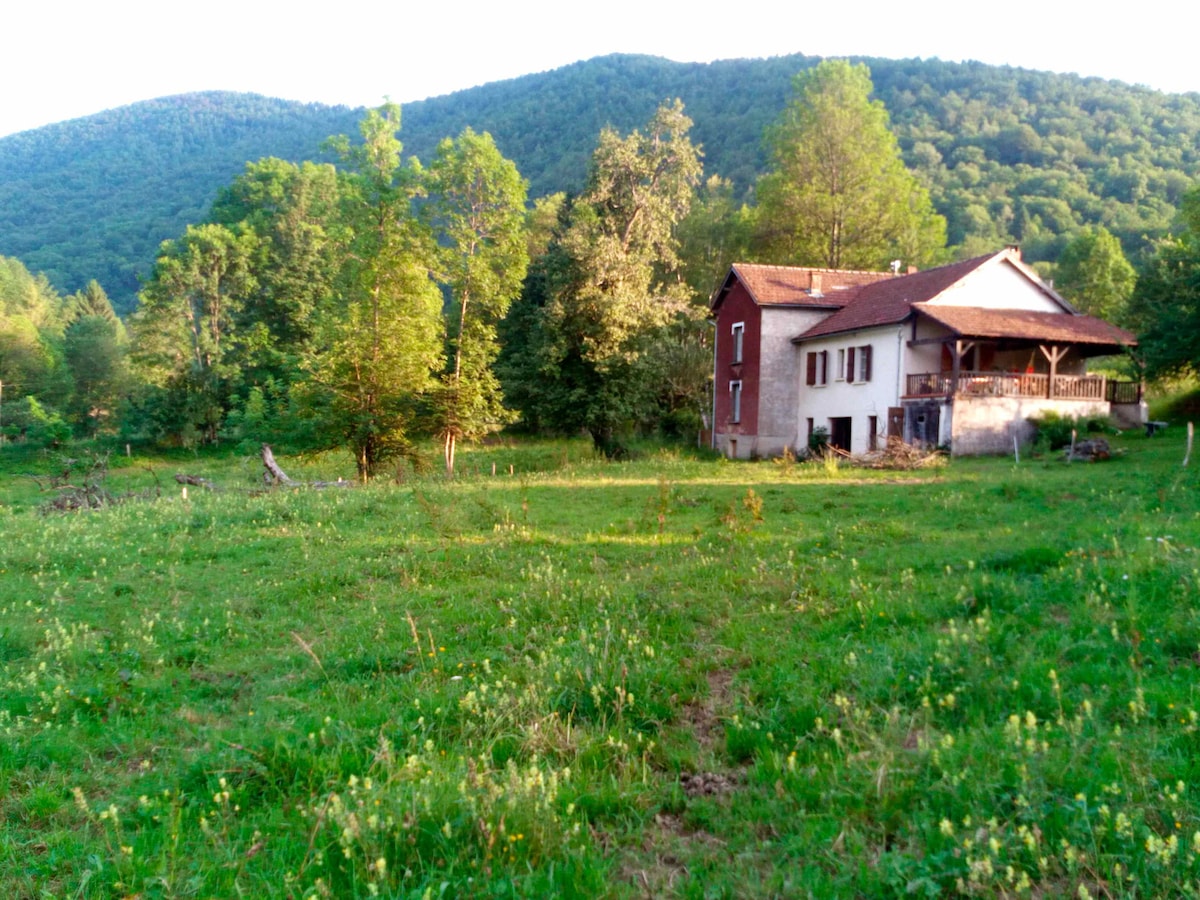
(477, 210)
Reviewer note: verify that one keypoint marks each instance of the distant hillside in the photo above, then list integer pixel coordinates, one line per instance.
(1009, 154)
(94, 197)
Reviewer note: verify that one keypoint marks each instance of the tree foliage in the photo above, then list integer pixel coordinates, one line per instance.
(609, 285)
(838, 194)
(477, 210)
(1165, 306)
(1094, 274)
(186, 339)
(378, 343)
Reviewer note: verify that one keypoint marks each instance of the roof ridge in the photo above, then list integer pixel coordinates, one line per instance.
(812, 269)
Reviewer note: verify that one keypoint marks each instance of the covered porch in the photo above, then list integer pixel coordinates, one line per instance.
(978, 376)
(967, 383)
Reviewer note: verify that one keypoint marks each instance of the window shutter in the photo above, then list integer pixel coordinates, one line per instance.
(811, 376)
(866, 362)
(850, 364)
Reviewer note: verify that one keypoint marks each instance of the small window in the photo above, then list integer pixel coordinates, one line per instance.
(850, 370)
(739, 332)
(735, 402)
(841, 366)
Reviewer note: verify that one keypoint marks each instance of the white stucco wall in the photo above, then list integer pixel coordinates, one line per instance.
(778, 363)
(998, 285)
(839, 398)
(987, 424)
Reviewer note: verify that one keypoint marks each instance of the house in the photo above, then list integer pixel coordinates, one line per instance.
(959, 356)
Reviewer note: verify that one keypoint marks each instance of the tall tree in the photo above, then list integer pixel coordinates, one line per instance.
(95, 348)
(293, 212)
(839, 195)
(1094, 274)
(30, 335)
(477, 209)
(611, 281)
(184, 333)
(1165, 306)
(378, 342)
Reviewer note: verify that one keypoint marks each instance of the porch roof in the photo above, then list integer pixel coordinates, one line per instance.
(1028, 326)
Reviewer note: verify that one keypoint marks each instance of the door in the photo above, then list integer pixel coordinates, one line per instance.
(839, 433)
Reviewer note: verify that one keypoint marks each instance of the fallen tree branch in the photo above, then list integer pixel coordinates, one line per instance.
(275, 475)
(195, 480)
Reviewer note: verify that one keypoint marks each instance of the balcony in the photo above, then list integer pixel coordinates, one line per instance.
(1020, 384)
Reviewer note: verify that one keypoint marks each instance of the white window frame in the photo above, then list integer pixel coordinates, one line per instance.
(839, 374)
(738, 332)
(735, 402)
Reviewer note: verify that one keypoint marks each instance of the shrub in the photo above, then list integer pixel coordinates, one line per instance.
(1052, 430)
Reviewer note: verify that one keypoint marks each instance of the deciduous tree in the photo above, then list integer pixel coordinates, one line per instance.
(477, 209)
(1094, 274)
(612, 285)
(184, 332)
(379, 340)
(838, 194)
(1165, 306)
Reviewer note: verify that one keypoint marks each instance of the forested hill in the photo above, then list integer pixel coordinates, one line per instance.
(94, 197)
(1009, 154)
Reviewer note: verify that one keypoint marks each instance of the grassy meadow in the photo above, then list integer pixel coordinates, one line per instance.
(673, 677)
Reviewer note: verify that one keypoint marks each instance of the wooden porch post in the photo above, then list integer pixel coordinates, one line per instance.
(957, 352)
(1053, 354)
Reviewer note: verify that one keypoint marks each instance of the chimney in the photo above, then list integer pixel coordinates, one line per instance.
(912, 270)
(814, 283)
(1015, 250)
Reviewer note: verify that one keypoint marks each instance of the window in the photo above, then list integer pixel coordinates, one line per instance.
(735, 402)
(839, 372)
(864, 363)
(817, 372)
(858, 364)
(739, 331)
(872, 432)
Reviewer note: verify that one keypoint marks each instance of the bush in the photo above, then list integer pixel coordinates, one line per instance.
(38, 425)
(1052, 430)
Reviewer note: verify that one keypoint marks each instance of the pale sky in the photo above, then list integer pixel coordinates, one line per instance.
(68, 58)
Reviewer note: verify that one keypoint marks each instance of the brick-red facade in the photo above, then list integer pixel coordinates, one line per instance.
(737, 306)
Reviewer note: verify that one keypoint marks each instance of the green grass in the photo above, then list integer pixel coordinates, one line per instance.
(672, 677)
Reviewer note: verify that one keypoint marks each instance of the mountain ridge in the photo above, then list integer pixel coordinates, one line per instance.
(1008, 153)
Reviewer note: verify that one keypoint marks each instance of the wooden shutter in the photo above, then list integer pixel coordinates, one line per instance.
(850, 364)
(866, 352)
(811, 375)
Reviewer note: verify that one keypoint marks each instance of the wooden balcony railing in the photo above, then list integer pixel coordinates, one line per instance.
(1008, 384)
(1124, 392)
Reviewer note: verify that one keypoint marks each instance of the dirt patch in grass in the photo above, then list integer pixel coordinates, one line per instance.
(706, 784)
(662, 863)
(703, 715)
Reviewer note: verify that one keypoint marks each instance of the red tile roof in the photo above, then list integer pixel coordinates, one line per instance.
(871, 299)
(888, 302)
(796, 285)
(1021, 324)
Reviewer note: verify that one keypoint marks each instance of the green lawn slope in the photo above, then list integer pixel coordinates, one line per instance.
(671, 677)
